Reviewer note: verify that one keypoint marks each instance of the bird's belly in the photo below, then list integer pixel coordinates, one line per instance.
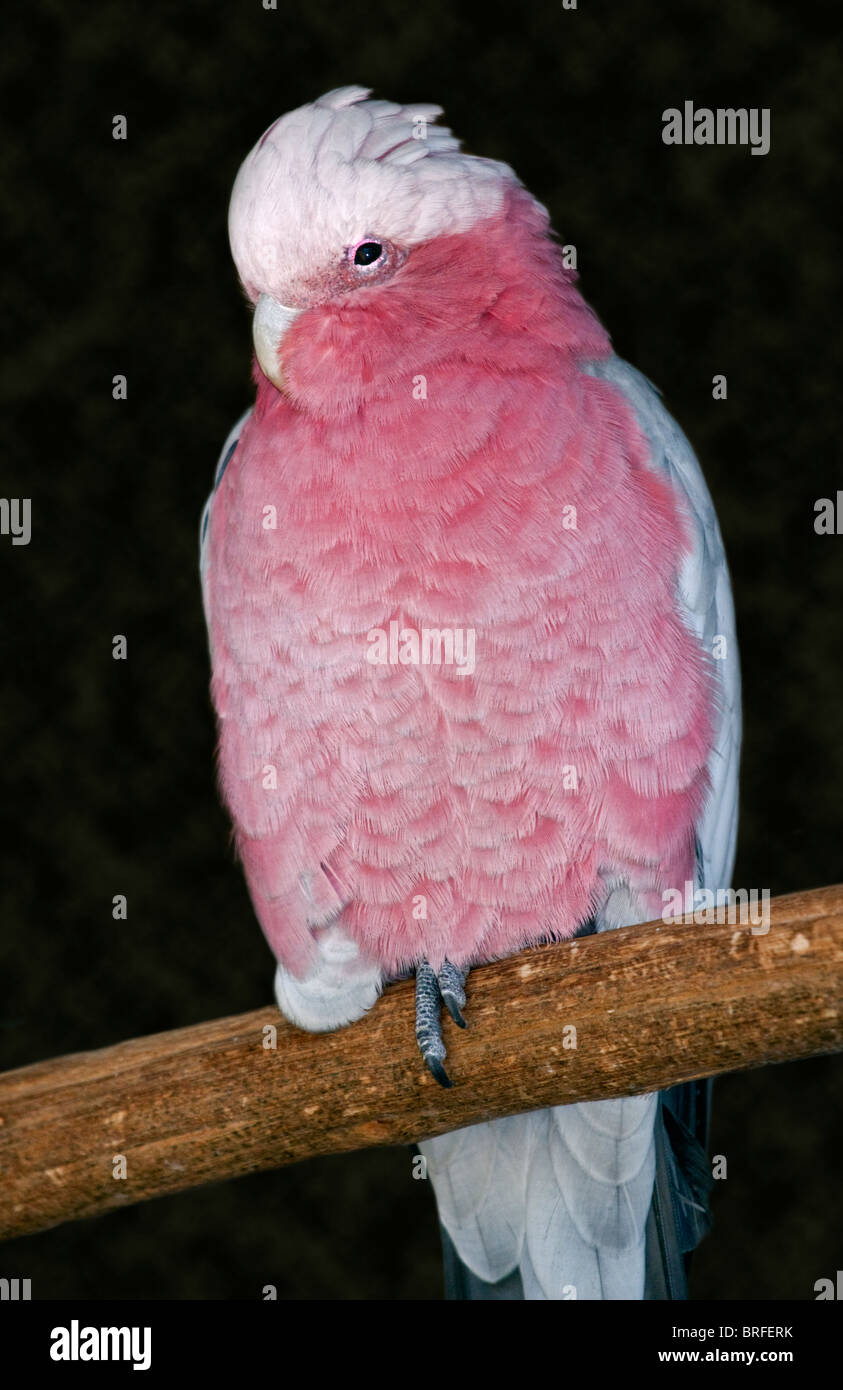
(460, 748)
(448, 776)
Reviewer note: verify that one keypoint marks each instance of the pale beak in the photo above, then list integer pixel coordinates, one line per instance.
(270, 323)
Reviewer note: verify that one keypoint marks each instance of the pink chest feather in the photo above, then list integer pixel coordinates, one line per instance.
(454, 690)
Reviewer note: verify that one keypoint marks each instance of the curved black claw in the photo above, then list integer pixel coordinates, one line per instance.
(451, 981)
(431, 993)
(438, 1073)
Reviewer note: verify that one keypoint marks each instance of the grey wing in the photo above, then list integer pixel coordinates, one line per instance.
(561, 1199)
(232, 440)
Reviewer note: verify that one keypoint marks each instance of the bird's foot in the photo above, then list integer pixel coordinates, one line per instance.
(431, 993)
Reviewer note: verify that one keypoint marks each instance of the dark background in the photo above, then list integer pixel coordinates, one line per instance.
(698, 260)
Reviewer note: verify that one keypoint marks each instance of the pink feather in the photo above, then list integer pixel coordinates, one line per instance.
(405, 785)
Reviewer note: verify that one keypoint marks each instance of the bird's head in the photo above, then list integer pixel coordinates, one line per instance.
(351, 225)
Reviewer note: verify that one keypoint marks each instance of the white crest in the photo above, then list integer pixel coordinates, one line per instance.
(329, 174)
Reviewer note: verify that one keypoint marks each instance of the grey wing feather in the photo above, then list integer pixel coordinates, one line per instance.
(222, 463)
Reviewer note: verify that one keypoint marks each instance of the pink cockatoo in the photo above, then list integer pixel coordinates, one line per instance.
(464, 585)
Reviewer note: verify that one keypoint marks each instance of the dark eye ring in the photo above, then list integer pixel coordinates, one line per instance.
(368, 252)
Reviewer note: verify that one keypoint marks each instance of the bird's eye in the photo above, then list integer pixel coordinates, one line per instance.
(368, 252)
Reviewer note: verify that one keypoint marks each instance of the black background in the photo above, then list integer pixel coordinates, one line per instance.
(698, 260)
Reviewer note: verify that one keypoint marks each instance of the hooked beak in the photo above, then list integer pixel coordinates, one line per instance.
(270, 323)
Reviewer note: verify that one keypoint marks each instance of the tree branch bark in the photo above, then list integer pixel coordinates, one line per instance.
(651, 1005)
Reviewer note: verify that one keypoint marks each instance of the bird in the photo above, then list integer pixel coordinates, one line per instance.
(473, 658)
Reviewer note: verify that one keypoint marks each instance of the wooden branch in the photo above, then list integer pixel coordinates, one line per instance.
(652, 1005)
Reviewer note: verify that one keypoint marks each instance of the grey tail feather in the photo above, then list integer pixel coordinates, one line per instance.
(461, 1283)
(680, 1214)
(679, 1217)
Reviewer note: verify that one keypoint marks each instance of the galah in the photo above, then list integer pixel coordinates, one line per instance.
(445, 460)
